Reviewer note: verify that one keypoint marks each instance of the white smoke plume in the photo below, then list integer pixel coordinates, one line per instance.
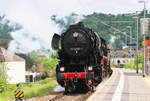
(25, 42)
(38, 28)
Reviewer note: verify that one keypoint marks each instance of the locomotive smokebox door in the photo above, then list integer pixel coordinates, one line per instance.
(55, 41)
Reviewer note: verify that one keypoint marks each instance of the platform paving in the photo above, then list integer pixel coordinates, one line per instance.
(123, 85)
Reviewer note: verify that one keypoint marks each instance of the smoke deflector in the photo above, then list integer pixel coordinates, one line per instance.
(55, 41)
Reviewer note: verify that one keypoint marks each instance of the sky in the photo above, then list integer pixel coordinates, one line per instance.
(34, 16)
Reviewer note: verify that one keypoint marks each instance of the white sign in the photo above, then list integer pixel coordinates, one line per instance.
(145, 26)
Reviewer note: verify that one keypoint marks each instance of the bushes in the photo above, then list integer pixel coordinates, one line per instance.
(3, 77)
(128, 65)
(40, 88)
(133, 67)
(139, 62)
(50, 66)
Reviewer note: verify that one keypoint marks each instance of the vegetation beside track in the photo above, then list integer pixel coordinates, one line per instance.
(36, 89)
(127, 65)
(40, 88)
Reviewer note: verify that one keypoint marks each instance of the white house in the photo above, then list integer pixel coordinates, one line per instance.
(15, 66)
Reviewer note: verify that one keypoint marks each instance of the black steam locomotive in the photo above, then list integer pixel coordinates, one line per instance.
(81, 52)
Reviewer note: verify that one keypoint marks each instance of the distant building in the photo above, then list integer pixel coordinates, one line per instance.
(110, 15)
(44, 55)
(32, 76)
(15, 66)
(122, 60)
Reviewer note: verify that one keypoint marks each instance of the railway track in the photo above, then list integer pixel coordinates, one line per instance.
(72, 97)
(57, 97)
(85, 97)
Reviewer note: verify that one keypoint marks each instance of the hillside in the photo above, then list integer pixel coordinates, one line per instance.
(103, 23)
(121, 21)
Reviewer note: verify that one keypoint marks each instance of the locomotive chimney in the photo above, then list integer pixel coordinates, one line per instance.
(80, 24)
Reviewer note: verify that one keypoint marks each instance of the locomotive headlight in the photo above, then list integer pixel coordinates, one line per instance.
(90, 68)
(75, 34)
(62, 69)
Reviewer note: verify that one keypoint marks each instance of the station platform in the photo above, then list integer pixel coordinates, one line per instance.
(123, 85)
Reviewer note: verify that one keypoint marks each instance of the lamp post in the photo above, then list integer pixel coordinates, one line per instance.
(144, 38)
(130, 46)
(144, 2)
(125, 37)
(137, 43)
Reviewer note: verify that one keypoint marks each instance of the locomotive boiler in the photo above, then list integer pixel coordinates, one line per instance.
(81, 56)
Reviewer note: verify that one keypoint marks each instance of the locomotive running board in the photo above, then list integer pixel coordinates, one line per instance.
(55, 41)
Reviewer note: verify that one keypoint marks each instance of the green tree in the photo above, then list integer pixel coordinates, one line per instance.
(31, 59)
(6, 27)
(49, 65)
(139, 58)
(64, 22)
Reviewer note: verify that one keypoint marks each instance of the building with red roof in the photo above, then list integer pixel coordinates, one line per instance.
(15, 66)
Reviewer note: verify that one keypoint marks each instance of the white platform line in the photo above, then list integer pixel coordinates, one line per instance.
(118, 93)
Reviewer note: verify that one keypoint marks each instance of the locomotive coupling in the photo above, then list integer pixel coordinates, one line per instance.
(90, 82)
(75, 78)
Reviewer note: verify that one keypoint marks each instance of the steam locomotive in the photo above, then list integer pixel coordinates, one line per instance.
(83, 61)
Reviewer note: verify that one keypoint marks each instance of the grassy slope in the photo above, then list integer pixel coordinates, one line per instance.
(40, 89)
(37, 89)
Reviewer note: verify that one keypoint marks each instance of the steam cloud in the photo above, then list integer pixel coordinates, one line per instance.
(25, 42)
(38, 28)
